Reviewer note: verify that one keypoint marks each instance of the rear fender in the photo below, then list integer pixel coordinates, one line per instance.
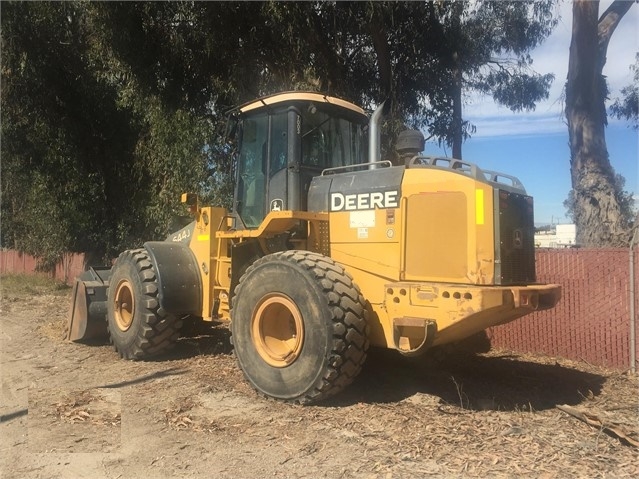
(178, 277)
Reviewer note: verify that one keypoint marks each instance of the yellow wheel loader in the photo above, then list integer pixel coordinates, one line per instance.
(328, 250)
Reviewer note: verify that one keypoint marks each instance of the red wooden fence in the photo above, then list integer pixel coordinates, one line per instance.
(592, 320)
(12, 261)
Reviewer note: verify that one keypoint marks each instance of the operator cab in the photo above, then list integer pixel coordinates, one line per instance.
(287, 139)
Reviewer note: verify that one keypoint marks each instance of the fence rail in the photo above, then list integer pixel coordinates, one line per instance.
(591, 322)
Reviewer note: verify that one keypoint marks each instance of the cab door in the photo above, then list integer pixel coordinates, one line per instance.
(262, 165)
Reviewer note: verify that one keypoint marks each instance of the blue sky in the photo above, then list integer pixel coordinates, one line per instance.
(534, 145)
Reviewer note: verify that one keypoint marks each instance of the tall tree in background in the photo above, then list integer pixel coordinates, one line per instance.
(597, 196)
(65, 145)
(92, 159)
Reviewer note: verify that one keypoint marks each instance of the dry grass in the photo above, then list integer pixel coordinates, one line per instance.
(23, 284)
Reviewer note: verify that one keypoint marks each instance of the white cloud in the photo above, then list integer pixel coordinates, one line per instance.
(552, 57)
(517, 125)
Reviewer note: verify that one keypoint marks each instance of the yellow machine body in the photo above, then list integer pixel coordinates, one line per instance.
(325, 252)
(426, 265)
(439, 248)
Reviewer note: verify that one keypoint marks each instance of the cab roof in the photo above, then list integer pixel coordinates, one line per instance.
(293, 96)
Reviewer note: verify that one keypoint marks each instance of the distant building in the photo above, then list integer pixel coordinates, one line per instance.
(560, 236)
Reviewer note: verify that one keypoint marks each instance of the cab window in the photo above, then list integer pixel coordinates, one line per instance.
(329, 141)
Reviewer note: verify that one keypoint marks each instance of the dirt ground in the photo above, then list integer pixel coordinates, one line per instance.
(75, 410)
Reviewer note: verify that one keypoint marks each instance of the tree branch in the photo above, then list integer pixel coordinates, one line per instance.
(377, 32)
(614, 429)
(608, 23)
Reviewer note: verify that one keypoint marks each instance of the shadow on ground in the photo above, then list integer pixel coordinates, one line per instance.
(466, 380)
(147, 377)
(197, 338)
(475, 382)
(201, 338)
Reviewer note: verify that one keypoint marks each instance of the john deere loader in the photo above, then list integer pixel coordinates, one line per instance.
(328, 249)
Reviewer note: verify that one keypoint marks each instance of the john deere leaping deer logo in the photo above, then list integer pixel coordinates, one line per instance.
(518, 239)
(277, 205)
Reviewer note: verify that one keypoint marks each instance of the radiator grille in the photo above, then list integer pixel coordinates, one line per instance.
(514, 238)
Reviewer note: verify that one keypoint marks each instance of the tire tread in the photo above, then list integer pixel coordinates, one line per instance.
(157, 331)
(349, 315)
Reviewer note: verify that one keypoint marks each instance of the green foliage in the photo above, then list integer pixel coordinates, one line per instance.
(56, 153)
(92, 160)
(31, 284)
(486, 50)
(627, 107)
(112, 109)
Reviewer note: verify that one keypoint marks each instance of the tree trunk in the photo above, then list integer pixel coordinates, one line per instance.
(597, 209)
(456, 87)
(378, 35)
(457, 109)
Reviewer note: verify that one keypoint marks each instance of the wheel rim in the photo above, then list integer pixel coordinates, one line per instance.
(277, 330)
(124, 305)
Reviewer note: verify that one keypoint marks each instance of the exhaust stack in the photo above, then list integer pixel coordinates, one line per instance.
(374, 149)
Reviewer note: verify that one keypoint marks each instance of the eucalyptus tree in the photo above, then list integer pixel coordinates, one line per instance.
(64, 143)
(93, 158)
(424, 56)
(597, 195)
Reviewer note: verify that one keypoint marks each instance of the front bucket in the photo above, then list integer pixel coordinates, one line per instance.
(87, 318)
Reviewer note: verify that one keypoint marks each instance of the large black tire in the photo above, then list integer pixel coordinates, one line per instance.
(299, 326)
(138, 327)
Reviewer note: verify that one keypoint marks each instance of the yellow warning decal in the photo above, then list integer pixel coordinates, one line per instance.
(203, 237)
(479, 207)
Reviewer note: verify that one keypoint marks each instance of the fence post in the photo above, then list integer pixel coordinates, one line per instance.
(633, 318)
